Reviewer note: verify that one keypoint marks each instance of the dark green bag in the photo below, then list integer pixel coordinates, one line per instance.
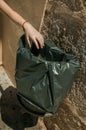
(44, 76)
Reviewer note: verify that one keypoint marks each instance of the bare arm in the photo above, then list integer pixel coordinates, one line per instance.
(30, 31)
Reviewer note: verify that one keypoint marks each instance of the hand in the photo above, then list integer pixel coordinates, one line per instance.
(34, 35)
(30, 31)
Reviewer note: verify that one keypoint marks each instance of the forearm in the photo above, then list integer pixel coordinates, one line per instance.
(11, 13)
(30, 31)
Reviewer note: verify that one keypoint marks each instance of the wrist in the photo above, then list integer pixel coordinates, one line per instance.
(25, 24)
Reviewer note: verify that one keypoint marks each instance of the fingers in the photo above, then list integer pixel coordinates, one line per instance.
(36, 43)
(28, 40)
(34, 35)
(39, 42)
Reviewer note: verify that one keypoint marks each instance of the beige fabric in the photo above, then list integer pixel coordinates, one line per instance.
(0, 39)
(32, 10)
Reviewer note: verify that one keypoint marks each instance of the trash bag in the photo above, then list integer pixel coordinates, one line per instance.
(43, 76)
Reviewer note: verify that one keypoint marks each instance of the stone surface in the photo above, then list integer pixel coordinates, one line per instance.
(65, 25)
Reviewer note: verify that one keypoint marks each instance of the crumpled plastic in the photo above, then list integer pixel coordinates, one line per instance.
(43, 76)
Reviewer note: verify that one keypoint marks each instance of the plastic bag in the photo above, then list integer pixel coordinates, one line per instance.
(44, 76)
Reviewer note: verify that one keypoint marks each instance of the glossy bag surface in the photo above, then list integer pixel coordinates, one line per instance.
(44, 76)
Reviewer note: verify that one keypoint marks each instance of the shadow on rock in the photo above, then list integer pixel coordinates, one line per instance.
(12, 113)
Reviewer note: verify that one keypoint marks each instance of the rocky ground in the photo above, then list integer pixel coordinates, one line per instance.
(65, 25)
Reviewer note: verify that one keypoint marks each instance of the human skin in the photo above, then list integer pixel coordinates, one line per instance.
(30, 31)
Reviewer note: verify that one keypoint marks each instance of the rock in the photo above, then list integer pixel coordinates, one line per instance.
(65, 25)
